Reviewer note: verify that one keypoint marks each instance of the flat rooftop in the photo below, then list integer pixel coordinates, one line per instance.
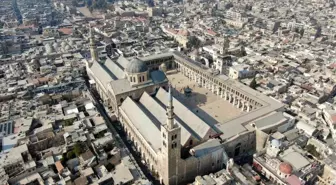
(207, 105)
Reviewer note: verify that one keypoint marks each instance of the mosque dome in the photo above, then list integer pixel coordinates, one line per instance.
(136, 66)
(285, 168)
(276, 143)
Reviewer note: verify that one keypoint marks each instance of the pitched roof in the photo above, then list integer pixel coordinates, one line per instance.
(158, 114)
(191, 120)
(142, 122)
(114, 68)
(101, 74)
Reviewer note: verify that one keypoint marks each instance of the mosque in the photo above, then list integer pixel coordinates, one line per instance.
(175, 143)
(177, 146)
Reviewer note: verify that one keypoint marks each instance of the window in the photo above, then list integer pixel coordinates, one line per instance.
(164, 135)
(190, 142)
(139, 78)
(164, 144)
(131, 79)
(173, 145)
(143, 78)
(172, 137)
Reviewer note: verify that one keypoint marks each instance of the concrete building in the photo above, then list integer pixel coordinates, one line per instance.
(241, 72)
(284, 165)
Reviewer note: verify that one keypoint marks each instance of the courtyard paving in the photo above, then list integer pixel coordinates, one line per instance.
(203, 102)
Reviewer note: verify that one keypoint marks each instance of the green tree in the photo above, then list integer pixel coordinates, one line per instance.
(193, 42)
(77, 149)
(70, 155)
(312, 150)
(253, 84)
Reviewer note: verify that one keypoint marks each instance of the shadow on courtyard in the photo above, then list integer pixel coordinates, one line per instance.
(193, 103)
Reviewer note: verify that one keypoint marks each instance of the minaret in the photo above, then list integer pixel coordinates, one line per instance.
(171, 147)
(93, 48)
(170, 110)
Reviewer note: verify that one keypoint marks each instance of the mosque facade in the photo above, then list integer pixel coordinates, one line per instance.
(175, 143)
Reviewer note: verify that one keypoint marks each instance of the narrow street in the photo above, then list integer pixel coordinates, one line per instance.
(121, 137)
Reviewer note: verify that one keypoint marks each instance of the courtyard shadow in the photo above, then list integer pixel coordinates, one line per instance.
(193, 103)
(205, 116)
(196, 99)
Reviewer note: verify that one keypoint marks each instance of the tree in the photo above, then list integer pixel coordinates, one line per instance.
(193, 42)
(70, 155)
(312, 150)
(77, 149)
(253, 84)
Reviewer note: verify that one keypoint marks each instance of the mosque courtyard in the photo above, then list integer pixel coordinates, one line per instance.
(202, 101)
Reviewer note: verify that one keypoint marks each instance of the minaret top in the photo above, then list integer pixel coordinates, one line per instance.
(170, 110)
(93, 49)
(170, 96)
(91, 35)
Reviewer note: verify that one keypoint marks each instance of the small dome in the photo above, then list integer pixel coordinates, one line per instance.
(136, 66)
(276, 143)
(285, 168)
